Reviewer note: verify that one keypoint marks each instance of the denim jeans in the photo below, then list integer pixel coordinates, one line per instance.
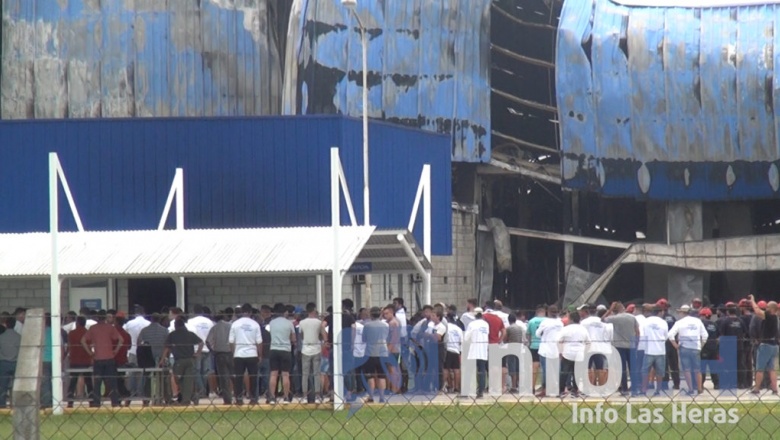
(481, 375)
(105, 371)
(7, 371)
(46, 395)
(263, 375)
(202, 370)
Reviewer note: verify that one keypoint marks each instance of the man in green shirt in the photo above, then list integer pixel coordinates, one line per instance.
(533, 325)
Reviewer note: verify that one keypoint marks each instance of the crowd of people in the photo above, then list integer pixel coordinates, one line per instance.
(283, 353)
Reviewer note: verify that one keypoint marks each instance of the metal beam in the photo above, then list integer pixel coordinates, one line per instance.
(525, 102)
(520, 232)
(521, 22)
(525, 172)
(523, 58)
(523, 143)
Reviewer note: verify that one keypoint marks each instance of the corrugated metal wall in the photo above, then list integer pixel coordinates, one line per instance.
(238, 172)
(669, 103)
(91, 58)
(429, 66)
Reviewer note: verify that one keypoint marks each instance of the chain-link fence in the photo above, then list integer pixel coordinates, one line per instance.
(545, 378)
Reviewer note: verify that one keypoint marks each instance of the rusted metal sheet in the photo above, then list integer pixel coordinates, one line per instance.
(91, 58)
(682, 104)
(428, 66)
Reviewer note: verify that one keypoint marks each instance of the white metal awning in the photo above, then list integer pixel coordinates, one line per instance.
(182, 252)
(208, 252)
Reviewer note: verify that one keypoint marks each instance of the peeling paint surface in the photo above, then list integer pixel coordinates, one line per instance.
(669, 103)
(138, 58)
(428, 63)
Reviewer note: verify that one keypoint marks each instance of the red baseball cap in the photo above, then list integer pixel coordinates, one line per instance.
(705, 312)
(630, 308)
(761, 304)
(662, 302)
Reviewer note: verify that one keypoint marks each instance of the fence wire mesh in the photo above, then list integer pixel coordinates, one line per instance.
(431, 379)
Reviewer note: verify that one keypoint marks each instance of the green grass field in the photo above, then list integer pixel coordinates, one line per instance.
(500, 421)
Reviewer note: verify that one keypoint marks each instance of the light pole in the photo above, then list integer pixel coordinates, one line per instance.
(352, 6)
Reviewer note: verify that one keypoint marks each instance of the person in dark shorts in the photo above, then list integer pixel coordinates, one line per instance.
(768, 345)
(376, 333)
(282, 337)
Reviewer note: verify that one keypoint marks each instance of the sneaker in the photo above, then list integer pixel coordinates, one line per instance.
(270, 401)
(285, 401)
(755, 392)
(239, 402)
(253, 402)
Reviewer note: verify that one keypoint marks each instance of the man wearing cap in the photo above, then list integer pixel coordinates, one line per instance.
(766, 355)
(477, 336)
(692, 335)
(709, 352)
(548, 347)
(626, 333)
(601, 335)
(672, 357)
(730, 325)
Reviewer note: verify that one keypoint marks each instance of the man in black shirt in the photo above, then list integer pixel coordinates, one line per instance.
(709, 353)
(181, 342)
(767, 348)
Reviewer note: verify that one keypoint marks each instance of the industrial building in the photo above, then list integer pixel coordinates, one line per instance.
(572, 129)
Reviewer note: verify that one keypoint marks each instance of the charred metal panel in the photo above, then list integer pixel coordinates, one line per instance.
(682, 104)
(90, 58)
(428, 66)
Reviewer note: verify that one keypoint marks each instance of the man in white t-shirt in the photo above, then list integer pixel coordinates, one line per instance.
(438, 336)
(85, 312)
(200, 324)
(133, 327)
(312, 335)
(246, 341)
(477, 336)
(692, 336)
(573, 341)
(452, 358)
(548, 346)
(601, 343)
(655, 332)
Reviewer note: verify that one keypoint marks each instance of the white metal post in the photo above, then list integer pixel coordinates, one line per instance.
(426, 181)
(318, 282)
(335, 218)
(54, 283)
(366, 190)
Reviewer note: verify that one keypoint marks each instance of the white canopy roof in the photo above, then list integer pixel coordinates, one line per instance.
(215, 252)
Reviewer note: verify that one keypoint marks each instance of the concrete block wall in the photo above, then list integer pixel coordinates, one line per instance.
(28, 293)
(454, 276)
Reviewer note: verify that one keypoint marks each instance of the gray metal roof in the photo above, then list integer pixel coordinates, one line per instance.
(206, 252)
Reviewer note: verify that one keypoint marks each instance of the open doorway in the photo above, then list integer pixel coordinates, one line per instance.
(152, 293)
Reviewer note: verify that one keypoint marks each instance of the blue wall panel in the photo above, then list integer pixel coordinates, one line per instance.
(702, 93)
(147, 58)
(238, 172)
(428, 64)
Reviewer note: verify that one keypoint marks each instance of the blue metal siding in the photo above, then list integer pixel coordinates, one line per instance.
(87, 58)
(238, 172)
(682, 104)
(428, 66)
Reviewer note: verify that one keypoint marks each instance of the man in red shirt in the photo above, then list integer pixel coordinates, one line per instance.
(102, 342)
(79, 358)
(497, 335)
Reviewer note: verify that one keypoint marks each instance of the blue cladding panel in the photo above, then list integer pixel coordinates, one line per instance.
(428, 67)
(696, 88)
(238, 172)
(86, 58)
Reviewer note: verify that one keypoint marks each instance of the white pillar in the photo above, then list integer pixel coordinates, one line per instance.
(180, 293)
(319, 282)
(55, 286)
(338, 378)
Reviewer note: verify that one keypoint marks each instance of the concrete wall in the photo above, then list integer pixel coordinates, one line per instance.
(30, 293)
